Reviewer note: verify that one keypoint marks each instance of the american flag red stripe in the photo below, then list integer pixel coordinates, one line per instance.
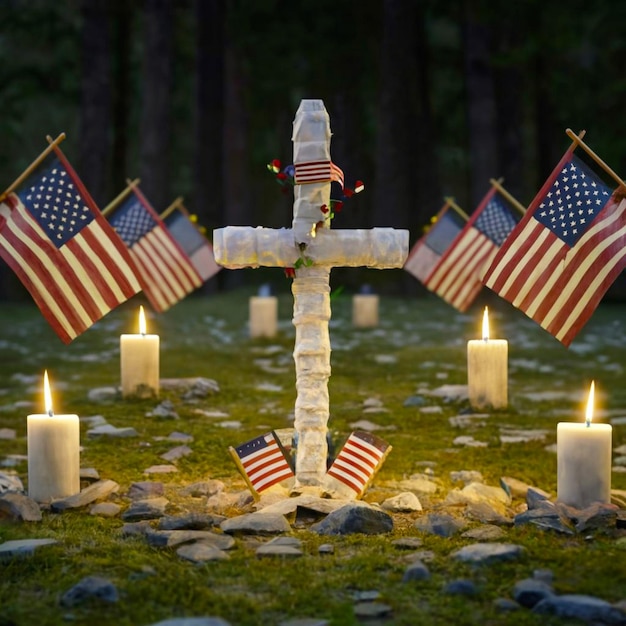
(358, 460)
(556, 281)
(76, 284)
(317, 172)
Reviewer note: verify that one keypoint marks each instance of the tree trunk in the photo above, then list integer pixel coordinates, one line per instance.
(154, 137)
(95, 110)
(481, 107)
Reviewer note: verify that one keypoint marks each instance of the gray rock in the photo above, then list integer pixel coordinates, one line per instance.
(93, 420)
(192, 621)
(460, 587)
(145, 489)
(108, 430)
(505, 605)
(486, 513)
(518, 489)
(449, 393)
(173, 538)
(203, 488)
(305, 621)
(581, 607)
(406, 502)
(326, 548)
(22, 547)
(466, 476)
(486, 532)
(547, 518)
(180, 437)
(165, 410)
(20, 508)
(10, 482)
(545, 575)
(160, 469)
(192, 521)
(416, 571)
(353, 518)
(176, 453)
(97, 491)
(286, 506)
(7, 433)
(469, 442)
(13, 460)
(407, 543)
(486, 553)
(105, 509)
(597, 516)
(414, 401)
(201, 553)
(536, 498)
(133, 529)
(89, 473)
(440, 525)
(530, 591)
(150, 508)
(201, 388)
(371, 610)
(103, 394)
(259, 523)
(281, 550)
(418, 484)
(90, 587)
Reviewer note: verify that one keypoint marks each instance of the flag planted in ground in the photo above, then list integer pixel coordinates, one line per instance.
(55, 239)
(428, 250)
(196, 246)
(457, 276)
(566, 252)
(167, 274)
(358, 461)
(263, 462)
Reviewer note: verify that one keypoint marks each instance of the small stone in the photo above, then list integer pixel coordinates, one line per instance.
(460, 587)
(486, 553)
(354, 518)
(416, 571)
(105, 509)
(136, 528)
(469, 441)
(201, 388)
(406, 502)
(173, 538)
(151, 508)
(597, 516)
(535, 498)
(93, 420)
(97, 491)
(203, 488)
(177, 453)
(165, 410)
(259, 523)
(407, 543)
(90, 587)
(414, 401)
(544, 575)
(418, 484)
(193, 521)
(107, 430)
(441, 525)
(145, 489)
(201, 553)
(89, 473)
(182, 437)
(7, 433)
(370, 610)
(19, 508)
(22, 547)
(10, 482)
(103, 394)
(486, 532)
(160, 469)
(326, 548)
(466, 476)
(530, 591)
(284, 551)
(504, 605)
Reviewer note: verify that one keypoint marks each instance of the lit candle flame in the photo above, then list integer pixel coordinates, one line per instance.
(47, 396)
(589, 413)
(142, 321)
(486, 325)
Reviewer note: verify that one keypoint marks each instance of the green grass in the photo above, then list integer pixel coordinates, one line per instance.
(207, 336)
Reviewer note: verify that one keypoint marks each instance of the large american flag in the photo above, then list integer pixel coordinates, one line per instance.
(166, 273)
(358, 461)
(194, 243)
(566, 252)
(429, 249)
(263, 461)
(55, 239)
(457, 276)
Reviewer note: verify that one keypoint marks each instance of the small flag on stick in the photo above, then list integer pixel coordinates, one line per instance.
(263, 463)
(357, 463)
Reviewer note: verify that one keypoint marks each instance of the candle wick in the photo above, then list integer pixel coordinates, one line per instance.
(50, 413)
(588, 423)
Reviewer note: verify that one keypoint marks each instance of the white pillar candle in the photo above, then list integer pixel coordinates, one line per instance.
(263, 316)
(584, 460)
(139, 362)
(53, 453)
(365, 310)
(487, 370)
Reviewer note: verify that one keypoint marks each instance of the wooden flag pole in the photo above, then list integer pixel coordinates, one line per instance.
(457, 208)
(177, 204)
(33, 166)
(497, 184)
(577, 139)
(131, 185)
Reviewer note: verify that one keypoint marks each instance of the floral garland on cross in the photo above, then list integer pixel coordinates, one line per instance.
(285, 177)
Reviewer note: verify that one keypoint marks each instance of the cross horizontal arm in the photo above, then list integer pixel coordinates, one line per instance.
(236, 247)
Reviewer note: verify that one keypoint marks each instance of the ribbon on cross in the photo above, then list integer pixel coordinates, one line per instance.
(317, 172)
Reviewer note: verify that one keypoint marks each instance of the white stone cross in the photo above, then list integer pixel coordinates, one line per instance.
(237, 247)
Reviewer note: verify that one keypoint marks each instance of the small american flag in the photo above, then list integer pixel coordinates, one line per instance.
(166, 273)
(55, 239)
(358, 461)
(317, 172)
(262, 461)
(194, 243)
(566, 252)
(457, 276)
(429, 249)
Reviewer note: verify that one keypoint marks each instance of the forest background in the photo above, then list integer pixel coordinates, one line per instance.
(426, 98)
